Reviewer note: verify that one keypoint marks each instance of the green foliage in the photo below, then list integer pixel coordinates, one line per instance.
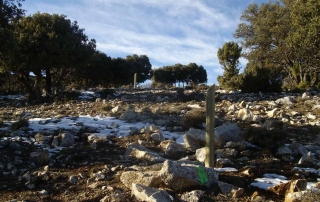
(262, 78)
(228, 57)
(284, 33)
(10, 11)
(49, 47)
(123, 70)
(192, 73)
(303, 85)
(19, 124)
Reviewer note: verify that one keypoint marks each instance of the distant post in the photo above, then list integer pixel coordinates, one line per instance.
(135, 81)
(210, 123)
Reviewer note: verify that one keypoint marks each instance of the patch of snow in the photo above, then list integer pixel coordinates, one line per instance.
(226, 169)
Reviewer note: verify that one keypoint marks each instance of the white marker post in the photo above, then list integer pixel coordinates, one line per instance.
(210, 123)
(135, 81)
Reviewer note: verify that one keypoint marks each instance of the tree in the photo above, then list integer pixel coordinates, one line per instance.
(284, 33)
(196, 74)
(304, 39)
(191, 73)
(95, 72)
(10, 11)
(140, 65)
(261, 77)
(48, 46)
(228, 57)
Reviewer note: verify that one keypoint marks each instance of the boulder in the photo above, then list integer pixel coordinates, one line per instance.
(174, 150)
(295, 196)
(148, 194)
(141, 152)
(229, 189)
(225, 133)
(194, 139)
(67, 140)
(245, 114)
(292, 186)
(306, 159)
(146, 178)
(272, 113)
(193, 196)
(201, 154)
(239, 146)
(41, 157)
(180, 176)
(116, 109)
(227, 152)
(288, 100)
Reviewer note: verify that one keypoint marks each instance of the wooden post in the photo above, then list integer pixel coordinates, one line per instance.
(135, 81)
(210, 123)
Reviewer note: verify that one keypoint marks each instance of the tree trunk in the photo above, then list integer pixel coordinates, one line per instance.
(24, 79)
(48, 82)
(36, 88)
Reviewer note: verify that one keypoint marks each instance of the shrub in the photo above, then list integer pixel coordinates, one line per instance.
(195, 118)
(264, 137)
(105, 92)
(19, 124)
(303, 85)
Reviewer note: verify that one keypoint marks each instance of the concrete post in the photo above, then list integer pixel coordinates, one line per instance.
(135, 81)
(210, 124)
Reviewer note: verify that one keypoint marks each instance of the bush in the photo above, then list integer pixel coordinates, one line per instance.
(194, 119)
(19, 124)
(105, 92)
(303, 85)
(268, 137)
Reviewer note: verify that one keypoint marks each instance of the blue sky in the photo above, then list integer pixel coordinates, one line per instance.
(167, 31)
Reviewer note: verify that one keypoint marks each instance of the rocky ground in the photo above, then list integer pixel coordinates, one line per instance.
(260, 138)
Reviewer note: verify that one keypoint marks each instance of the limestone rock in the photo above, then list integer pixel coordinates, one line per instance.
(228, 189)
(157, 136)
(272, 113)
(295, 196)
(288, 100)
(148, 194)
(306, 159)
(194, 139)
(201, 154)
(41, 157)
(193, 196)
(181, 176)
(67, 140)
(239, 146)
(227, 152)
(140, 152)
(146, 178)
(245, 114)
(289, 187)
(225, 133)
(175, 150)
(116, 109)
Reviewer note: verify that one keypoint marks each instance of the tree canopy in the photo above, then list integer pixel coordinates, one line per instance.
(285, 35)
(228, 57)
(178, 73)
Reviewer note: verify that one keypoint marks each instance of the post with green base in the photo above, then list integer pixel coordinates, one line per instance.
(210, 122)
(135, 81)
